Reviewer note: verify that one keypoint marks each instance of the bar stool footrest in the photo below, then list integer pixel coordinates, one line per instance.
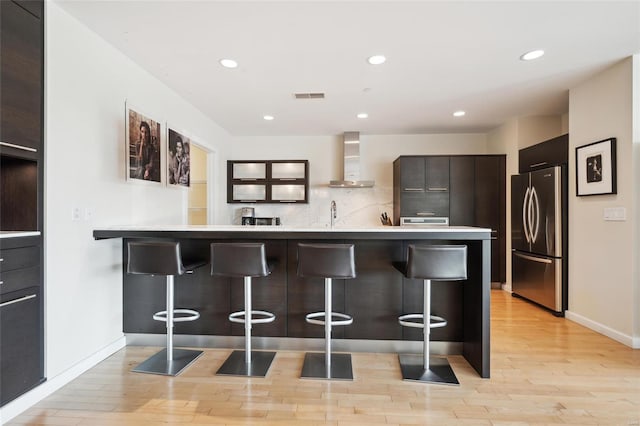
(189, 315)
(235, 364)
(439, 371)
(436, 322)
(263, 317)
(158, 364)
(314, 366)
(312, 318)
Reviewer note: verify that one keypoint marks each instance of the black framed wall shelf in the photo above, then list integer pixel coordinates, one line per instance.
(268, 181)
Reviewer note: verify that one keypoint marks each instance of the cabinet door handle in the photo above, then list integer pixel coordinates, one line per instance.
(248, 201)
(18, 300)
(248, 179)
(535, 259)
(284, 179)
(438, 189)
(425, 214)
(542, 163)
(12, 145)
(286, 201)
(413, 189)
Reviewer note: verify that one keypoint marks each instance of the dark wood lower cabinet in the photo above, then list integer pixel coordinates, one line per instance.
(375, 298)
(21, 350)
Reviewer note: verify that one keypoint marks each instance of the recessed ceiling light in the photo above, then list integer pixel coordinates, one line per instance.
(363, 115)
(268, 117)
(534, 54)
(377, 59)
(459, 113)
(228, 63)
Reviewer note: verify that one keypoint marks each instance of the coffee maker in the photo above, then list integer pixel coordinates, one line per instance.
(248, 215)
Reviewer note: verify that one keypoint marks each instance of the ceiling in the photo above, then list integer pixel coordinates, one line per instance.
(441, 57)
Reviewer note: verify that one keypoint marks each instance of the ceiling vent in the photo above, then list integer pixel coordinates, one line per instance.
(309, 95)
(351, 158)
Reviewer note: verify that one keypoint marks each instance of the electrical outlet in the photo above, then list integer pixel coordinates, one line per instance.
(75, 214)
(89, 213)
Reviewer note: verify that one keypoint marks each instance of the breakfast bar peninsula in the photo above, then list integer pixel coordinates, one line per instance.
(375, 298)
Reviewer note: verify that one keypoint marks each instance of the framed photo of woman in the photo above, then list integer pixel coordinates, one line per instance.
(143, 147)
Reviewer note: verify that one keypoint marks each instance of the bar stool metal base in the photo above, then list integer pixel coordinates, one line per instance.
(235, 365)
(158, 363)
(439, 371)
(314, 367)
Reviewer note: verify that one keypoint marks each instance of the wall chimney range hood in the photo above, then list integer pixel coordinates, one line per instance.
(351, 158)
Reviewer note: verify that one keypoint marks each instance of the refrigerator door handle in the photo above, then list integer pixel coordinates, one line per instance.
(525, 215)
(532, 258)
(535, 213)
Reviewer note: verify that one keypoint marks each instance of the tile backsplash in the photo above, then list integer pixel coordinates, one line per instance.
(355, 207)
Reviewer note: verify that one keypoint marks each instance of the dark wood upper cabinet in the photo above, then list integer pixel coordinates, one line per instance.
(553, 152)
(21, 74)
(468, 189)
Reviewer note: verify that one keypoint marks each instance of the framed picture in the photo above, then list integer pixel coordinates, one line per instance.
(596, 168)
(178, 158)
(143, 147)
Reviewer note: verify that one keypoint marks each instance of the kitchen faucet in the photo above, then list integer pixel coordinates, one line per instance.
(334, 213)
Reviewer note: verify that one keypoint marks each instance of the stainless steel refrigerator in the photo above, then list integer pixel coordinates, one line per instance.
(538, 237)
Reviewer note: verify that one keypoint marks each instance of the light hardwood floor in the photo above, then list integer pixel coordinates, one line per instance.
(544, 370)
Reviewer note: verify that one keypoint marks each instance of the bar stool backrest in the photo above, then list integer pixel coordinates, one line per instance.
(437, 262)
(154, 258)
(239, 260)
(335, 261)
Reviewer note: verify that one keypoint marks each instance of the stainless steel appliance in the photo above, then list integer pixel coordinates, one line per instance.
(422, 221)
(247, 214)
(538, 237)
(266, 221)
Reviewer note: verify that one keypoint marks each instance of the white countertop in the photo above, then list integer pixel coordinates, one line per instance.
(266, 228)
(15, 234)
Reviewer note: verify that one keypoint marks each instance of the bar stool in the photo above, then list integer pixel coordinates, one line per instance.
(328, 261)
(431, 263)
(164, 258)
(245, 260)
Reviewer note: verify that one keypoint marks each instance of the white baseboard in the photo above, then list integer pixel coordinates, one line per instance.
(22, 403)
(507, 287)
(631, 341)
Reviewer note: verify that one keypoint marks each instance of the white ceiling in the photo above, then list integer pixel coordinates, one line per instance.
(442, 56)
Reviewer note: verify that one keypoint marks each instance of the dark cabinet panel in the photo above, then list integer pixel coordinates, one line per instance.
(412, 174)
(21, 343)
(490, 208)
(553, 152)
(462, 187)
(437, 173)
(374, 297)
(21, 74)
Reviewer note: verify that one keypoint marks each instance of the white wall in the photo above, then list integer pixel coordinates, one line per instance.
(636, 194)
(356, 207)
(603, 284)
(87, 82)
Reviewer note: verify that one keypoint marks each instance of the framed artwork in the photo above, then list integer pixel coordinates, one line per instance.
(178, 158)
(596, 168)
(143, 147)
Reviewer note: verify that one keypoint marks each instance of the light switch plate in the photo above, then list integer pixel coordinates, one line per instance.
(615, 214)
